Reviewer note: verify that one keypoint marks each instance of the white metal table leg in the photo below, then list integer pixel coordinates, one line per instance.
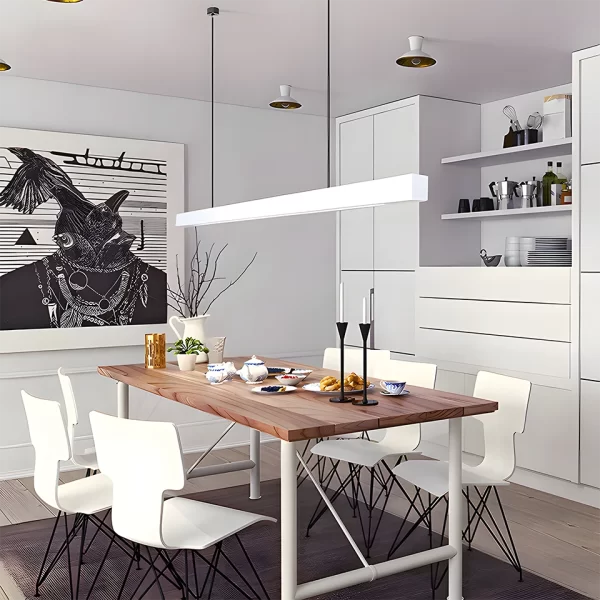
(289, 521)
(122, 400)
(255, 457)
(455, 509)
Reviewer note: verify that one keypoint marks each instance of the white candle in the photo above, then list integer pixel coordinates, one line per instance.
(364, 310)
(341, 302)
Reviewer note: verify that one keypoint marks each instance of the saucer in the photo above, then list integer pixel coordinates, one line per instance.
(386, 393)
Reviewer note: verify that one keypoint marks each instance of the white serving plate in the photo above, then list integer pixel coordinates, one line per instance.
(260, 390)
(314, 387)
(386, 393)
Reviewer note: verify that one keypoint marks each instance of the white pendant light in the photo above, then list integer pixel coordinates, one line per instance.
(4, 66)
(416, 58)
(403, 188)
(285, 100)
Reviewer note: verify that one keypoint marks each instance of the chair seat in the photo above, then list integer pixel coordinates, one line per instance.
(357, 451)
(432, 476)
(88, 495)
(87, 460)
(193, 525)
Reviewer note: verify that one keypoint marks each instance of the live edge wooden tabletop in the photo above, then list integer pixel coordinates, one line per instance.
(300, 415)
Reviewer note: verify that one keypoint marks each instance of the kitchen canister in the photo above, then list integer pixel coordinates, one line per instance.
(156, 351)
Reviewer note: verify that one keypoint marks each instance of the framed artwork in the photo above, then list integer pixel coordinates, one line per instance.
(87, 238)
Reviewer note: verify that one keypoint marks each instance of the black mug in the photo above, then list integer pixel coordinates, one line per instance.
(476, 204)
(464, 206)
(486, 203)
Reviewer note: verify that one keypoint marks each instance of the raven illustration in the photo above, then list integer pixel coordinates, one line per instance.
(93, 278)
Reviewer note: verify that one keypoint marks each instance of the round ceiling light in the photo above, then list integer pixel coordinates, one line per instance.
(4, 66)
(416, 58)
(285, 100)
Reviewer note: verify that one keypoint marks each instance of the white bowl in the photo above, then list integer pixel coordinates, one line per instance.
(290, 379)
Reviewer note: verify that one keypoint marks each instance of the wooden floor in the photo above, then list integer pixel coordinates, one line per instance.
(556, 538)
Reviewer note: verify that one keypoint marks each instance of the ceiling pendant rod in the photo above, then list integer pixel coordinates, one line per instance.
(212, 12)
(328, 93)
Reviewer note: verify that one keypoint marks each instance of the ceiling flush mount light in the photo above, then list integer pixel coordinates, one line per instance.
(4, 66)
(285, 100)
(415, 58)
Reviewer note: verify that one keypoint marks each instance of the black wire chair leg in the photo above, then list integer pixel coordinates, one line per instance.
(239, 573)
(97, 531)
(38, 582)
(211, 564)
(122, 588)
(100, 567)
(179, 583)
(81, 547)
(510, 537)
(155, 572)
(434, 569)
(237, 537)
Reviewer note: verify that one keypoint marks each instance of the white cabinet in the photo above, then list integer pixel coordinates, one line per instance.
(394, 311)
(356, 165)
(590, 433)
(590, 326)
(590, 110)
(590, 216)
(357, 285)
(396, 236)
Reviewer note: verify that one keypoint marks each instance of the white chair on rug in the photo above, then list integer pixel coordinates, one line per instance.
(83, 497)
(87, 460)
(393, 443)
(143, 460)
(497, 466)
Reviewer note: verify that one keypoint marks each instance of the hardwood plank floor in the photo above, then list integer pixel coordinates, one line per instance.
(556, 538)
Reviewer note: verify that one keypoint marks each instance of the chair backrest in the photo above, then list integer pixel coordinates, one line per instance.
(353, 359)
(143, 460)
(51, 445)
(70, 404)
(405, 437)
(500, 427)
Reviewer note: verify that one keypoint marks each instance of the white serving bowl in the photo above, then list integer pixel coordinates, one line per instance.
(291, 379)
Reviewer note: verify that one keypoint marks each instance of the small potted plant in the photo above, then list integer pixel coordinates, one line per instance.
(186, 351)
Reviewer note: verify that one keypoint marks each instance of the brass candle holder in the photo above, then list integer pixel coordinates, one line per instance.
(156, 351)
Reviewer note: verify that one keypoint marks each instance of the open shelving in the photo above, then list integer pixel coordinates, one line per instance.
(514, 212)
(508, 155)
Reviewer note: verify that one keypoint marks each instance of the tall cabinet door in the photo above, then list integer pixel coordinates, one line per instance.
(396, 226)
(590, 217)
(356, 164)
(357, 285)
(394, 311)
(590, 110)
(590, 441)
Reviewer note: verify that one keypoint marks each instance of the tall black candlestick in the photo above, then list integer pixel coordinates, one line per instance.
(364, 330)
(342, 398)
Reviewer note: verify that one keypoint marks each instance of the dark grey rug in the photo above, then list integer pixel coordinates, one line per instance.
(325, 553)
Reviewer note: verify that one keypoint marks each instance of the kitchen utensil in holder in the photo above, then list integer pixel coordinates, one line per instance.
(342, 398)
(364, 401)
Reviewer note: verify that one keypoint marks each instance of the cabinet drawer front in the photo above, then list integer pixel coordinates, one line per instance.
(549, 285)
(517, 319)
(496, 352)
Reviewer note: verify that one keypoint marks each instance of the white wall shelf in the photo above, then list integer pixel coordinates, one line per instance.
(515, 212)
(508, 155)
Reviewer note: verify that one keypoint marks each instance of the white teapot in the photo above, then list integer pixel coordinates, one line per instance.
(217, 373)
(230, 368)
(254, 371)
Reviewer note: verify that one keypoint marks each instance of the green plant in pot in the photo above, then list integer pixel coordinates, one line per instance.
(186, 351)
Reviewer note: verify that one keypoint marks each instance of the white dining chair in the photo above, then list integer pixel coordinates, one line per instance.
(143, 460)
(370, 453)
(497, 466)
(87, 460)
(82, 498)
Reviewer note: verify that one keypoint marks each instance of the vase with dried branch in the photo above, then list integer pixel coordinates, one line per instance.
(192, 300)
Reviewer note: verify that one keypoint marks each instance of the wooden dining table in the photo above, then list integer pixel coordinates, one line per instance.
(303, 415)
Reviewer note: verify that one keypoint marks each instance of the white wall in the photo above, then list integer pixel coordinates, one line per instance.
(258, 153)
(494, 125)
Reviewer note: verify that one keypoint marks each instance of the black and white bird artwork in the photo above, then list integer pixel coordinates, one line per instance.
(93, 278)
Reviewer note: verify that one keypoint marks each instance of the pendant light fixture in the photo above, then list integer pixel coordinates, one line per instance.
(212, 12)
(4, 66)
(65, 1)
(416, 58)
(390, 190)
(285, 100)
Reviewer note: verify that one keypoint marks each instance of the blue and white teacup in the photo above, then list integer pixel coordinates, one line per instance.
(217, 373)
(395, 388)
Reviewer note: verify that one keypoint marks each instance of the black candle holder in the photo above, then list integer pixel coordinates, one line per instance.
(365, 328)
(342, 398)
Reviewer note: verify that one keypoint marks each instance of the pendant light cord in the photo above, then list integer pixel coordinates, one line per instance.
(328, 93)
(212, 111)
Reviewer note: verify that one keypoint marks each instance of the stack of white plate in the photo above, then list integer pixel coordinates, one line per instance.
(545, 252)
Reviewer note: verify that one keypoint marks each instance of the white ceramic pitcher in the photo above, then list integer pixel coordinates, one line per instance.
(192, 327)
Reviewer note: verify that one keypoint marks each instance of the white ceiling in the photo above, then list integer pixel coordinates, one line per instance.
(486, 49)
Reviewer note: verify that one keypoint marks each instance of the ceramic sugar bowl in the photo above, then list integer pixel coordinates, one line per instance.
(254, 371)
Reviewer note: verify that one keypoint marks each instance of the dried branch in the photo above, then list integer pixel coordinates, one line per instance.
(232, 283)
